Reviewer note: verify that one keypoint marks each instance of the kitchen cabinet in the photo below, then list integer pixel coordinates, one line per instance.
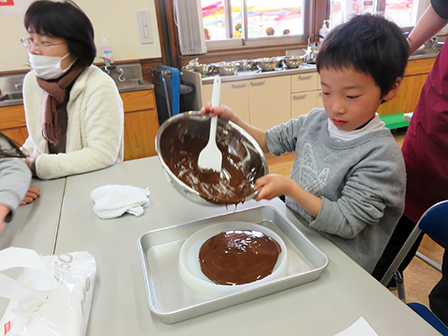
(305, 93)
(263, 102)
(303, 102)
(233, 94)
(13, 124)
(407, 97)
(140, 123)
(265, 105)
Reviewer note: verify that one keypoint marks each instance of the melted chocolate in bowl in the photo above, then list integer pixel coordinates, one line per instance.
(181, 154)
(238, 257)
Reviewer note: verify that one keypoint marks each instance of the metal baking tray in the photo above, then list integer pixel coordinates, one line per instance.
(172, 300)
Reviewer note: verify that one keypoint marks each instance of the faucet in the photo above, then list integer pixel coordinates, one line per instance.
(435, 41)
(107, 65)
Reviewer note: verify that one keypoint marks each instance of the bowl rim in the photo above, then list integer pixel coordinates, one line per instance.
(187, 187)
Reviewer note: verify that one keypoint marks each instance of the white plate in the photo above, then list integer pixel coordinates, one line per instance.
(190, 268)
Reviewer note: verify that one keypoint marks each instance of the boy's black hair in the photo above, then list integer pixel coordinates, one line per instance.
(14, 151)
(369, 44)
(67, 21)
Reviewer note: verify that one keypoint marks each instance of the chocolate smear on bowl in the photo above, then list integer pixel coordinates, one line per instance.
(238, 257)
(181, 154)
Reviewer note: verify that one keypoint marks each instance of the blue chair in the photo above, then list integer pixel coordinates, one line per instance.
(434, 222)
(429, 317)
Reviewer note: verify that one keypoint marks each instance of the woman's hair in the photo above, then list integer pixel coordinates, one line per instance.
(369, 44)
(13, 151)
(63, 20)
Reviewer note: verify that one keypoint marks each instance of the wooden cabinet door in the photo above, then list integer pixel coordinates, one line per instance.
(141, 124)
(303, 102)
(270, 101)
(13, 124)
(406, 98)
(19, 135)
(140, 132)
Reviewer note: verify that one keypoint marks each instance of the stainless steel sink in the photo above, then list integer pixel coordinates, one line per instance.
(11, 96)
(127, 77)
(11, 90)
(426, 52)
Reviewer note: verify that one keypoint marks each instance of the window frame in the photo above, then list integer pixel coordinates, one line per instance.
(246, 42)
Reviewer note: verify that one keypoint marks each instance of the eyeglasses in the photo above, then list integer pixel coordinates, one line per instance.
(29, 43)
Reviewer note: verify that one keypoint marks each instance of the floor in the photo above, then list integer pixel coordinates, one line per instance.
(419, 277)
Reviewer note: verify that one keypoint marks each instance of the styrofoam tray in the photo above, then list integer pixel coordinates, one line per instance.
(172, 300)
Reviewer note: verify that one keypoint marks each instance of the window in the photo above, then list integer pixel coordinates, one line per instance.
(252, 22)
(402, 12)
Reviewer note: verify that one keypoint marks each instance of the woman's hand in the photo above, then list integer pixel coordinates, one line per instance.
(30, 195)
(272, 186)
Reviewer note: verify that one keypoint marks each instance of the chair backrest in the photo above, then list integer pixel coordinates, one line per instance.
(434, 222)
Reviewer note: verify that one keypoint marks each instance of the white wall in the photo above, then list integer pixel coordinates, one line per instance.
(116, 18)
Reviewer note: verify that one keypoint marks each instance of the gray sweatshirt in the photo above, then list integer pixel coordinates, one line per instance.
(15, 178)
(361, 183)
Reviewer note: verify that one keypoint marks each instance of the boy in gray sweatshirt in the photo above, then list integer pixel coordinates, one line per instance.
(348, 176)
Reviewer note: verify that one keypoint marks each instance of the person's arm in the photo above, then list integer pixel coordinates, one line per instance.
(15, 178)
(226, 113)
(427, 26)
(275, 185)
(4, 211)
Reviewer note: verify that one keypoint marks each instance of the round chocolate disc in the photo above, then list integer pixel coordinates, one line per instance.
(238, 257)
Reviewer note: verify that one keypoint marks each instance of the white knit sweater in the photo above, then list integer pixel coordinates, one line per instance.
(94, 131)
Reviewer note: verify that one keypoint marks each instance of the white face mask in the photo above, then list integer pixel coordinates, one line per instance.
(48, 67)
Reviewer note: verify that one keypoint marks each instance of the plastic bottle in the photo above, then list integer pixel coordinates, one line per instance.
(324, 30)
(106, 50)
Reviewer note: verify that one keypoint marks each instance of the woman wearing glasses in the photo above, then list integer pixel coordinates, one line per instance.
(74, 113)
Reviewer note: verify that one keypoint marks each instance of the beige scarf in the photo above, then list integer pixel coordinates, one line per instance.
(54, 96)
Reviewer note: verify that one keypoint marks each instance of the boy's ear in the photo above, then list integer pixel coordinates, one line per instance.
(393, 91)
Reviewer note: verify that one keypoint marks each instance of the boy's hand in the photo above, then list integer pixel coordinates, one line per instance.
(272, 186)
(30, 195)
(222, 111)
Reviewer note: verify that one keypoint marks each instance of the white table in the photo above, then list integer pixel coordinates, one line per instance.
(35, 225)
(342, 294)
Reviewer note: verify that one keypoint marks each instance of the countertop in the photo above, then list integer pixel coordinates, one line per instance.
(256, 74)
(126, 86)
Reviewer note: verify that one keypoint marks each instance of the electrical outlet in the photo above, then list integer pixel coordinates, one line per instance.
(144, 27)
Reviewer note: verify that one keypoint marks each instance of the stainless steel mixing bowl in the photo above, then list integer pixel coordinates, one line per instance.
(268, 63)
(239, 143)
(226, 68)
(245, 64)
(204, 69)
(292, 62)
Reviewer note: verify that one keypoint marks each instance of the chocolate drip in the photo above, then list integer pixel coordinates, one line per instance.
(238, 257)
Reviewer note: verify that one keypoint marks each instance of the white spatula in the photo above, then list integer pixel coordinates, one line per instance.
(210, 158)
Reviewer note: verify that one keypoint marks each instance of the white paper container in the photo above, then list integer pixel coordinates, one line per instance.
(172, 300)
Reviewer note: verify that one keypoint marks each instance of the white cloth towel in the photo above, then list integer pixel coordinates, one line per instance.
(112, 201)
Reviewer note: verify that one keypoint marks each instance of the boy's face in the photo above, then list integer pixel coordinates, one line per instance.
(350, 98)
